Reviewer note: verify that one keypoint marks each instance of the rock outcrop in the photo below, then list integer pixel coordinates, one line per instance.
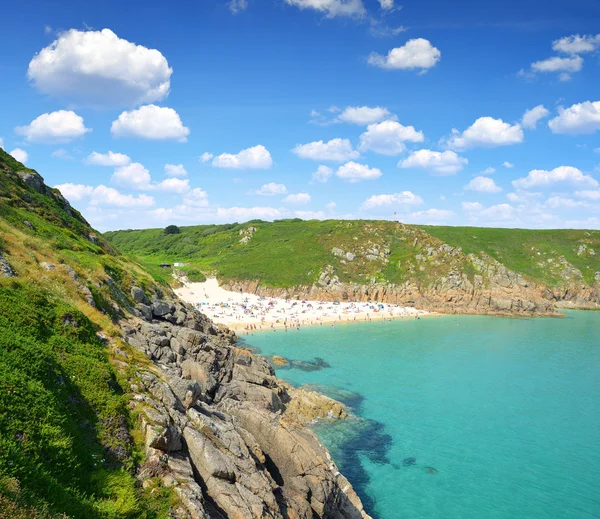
(223, 431)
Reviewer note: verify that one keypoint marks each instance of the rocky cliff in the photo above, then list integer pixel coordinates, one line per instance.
(222, 430)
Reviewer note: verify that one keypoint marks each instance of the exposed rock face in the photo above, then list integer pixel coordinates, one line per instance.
(225, 433)
(5, 269)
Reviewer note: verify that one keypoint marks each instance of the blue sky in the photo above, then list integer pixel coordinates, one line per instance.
(463, 112)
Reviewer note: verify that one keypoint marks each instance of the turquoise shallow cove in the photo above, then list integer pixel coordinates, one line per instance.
(507, 411)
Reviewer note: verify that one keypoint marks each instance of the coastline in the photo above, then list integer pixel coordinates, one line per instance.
(247, 313)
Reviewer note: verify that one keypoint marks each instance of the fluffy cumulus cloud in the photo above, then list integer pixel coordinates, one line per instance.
(335, 150)
(414, 54)
(20, 155)
(483, 185)
(1, 142)
(488, 171)
(133, 176)
(500, 212)
(103, 196)
(434, 162)
(109, 196)
(54, 127)
(323, 174)
(271, 189)
(150, 122)
(577, 44)
(429, 216)
(539, 178)
(363, 115)
(388, 137)
(354, 172)
(508, 165)
(589, 194)
(206, 157)
(75, 192)
(565, 65)
(173, 185)
(400, 200)
(107, 159)
(332, 8)
(247, 213)
(297, 198)
(97, 68)
(257, 157)
(175, 170)
(531, 117)
(386, 4)
(486, 132)
(197, 197)
(578, 119)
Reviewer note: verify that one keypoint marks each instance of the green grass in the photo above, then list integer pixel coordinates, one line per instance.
(293, 252)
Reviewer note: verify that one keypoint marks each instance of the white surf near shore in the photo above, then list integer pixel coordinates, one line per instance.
(242, 311)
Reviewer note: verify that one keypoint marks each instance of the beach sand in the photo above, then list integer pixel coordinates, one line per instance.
(244, 312)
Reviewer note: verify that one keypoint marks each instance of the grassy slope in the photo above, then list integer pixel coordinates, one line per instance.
(293, 252)
(63, 405)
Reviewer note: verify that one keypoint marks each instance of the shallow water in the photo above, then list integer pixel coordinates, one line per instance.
(506, 410)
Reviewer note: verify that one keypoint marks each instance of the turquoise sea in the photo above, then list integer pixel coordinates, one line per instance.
(507, 412)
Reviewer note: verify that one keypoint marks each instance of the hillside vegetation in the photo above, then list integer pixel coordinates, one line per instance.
(289, 253)
(66, 444)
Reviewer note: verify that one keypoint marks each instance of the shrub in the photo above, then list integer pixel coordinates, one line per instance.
(172, 229)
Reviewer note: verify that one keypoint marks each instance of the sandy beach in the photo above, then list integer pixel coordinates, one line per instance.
(249, 312)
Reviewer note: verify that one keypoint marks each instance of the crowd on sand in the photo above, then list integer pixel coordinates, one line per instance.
(247, 313)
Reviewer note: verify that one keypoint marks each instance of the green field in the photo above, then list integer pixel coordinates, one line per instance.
(289, 253)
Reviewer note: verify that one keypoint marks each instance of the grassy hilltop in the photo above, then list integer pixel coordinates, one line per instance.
(65, 443)
(290, 253)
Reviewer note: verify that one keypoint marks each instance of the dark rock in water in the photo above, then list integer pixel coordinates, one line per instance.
(310, 365)
(407, 462)
(430, 470)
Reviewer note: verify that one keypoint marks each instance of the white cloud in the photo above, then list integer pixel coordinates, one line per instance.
(175, 170)
(75, 192)
(237, 6)
(596, 150)
(386, 4)
(133, 176)
(54, 127)
(559, 202)
(405, 198)
(1, 142)
(414, 54)
(173, 185)
(577, 44)
(508, 165)
(107, 159)
(523, 197)
(248, 213)
(337, 150)
(206, 156)
(388, 137)
(531, 117)
(435, 162)
(354, 172)
(562, 174)
(486, 132)
(494, 213)
(20, 155)
(429, 215)
(332, 8)
(298, 198)
(98, 68)
(577, 119)
(103, 195)
(196, 198)
(559, 64)
(590, 194)
(363, 115)
(488, 171)
(150, 122)
(331, 206)
(61, 153)
(271, 189)
(322, 174)
(257, 157)
(483, 185)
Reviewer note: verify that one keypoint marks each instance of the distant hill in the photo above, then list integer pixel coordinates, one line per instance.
(451, 269)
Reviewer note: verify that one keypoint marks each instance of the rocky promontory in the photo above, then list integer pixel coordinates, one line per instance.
(222, 430)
